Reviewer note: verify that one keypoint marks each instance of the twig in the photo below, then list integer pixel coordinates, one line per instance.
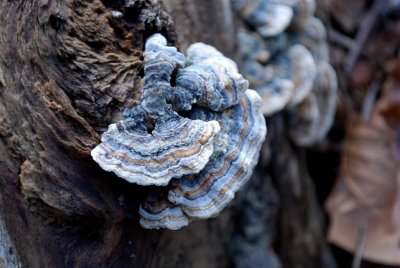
(340, 39)
(360, 245)
(367, 26)
(369, 101)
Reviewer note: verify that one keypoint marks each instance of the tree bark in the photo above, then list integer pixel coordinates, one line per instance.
(67, 70)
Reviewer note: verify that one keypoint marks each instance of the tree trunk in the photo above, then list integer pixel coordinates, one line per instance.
(67, 70)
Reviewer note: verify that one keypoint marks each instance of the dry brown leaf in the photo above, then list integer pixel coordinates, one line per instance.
(366, 198)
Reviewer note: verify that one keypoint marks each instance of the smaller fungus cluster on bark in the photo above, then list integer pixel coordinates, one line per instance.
(286, 60)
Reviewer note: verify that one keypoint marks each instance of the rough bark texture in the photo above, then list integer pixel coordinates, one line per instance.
(300, 221)
(68, 69)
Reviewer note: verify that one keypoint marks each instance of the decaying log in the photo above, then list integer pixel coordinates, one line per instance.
(68, 68)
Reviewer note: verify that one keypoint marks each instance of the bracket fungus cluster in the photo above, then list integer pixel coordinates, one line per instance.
(197, 132)
(286, 60)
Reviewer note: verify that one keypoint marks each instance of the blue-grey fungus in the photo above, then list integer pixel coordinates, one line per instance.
(175, 146)
(311, 120)
(236, 151)
(312, 35)
(269, 17)
(201, 158)
(210, 79)
(252, 47)
(285, 80)
(326, 89)
(290, 69)
(158, 212)
(303, 72)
